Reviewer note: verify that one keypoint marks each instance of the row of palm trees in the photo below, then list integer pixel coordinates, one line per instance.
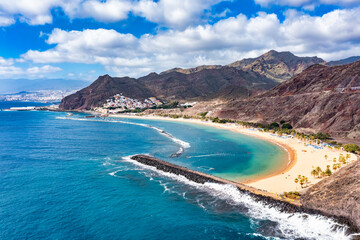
(319, 173)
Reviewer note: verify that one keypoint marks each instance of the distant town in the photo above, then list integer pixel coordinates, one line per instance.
(37, 96)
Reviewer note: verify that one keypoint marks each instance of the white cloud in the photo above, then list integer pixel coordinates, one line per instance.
(88, 46)
(32, 11)
(173, 13)
(309, 4)
(170, 13)
(43, 69)
(6, 20)
(8, 69)
(333, 35)
(109, 11)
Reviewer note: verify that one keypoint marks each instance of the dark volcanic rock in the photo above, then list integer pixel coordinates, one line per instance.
(338, 194)
(321, 98)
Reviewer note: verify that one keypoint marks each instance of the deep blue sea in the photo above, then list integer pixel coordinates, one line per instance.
(68, 177)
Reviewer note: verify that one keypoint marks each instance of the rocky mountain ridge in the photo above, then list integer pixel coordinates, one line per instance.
(278, 66)
(171, 86)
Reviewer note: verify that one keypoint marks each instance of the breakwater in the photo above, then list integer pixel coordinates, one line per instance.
(270, 199)
(200, 177)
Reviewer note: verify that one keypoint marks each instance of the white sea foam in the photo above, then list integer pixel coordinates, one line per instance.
(183, 144)
(291, 225)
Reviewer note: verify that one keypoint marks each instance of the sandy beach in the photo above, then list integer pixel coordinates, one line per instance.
(302, 158)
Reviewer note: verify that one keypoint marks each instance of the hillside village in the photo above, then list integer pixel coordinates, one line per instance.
(120, 102)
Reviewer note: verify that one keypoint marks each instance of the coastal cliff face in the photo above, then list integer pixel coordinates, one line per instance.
(337, 195)
(321, 98)
(171, 86)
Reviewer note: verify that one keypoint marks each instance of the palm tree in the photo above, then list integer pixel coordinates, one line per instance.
(314, 172)
(301, 182)
(328, 172)
(296, 180)
(318, 170)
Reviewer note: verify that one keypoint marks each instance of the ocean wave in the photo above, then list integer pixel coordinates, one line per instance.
(288, 225)
(183, 144)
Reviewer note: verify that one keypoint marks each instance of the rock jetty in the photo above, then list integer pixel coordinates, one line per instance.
(259, 195)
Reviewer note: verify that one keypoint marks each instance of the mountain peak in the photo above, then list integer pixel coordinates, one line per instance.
(271, 52)
(279, 66)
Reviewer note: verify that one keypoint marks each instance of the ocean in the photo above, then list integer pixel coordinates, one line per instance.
(69, 177)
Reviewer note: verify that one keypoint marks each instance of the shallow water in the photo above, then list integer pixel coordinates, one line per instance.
(69, 179)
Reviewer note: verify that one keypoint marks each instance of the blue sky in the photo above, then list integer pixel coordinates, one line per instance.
(82, 39)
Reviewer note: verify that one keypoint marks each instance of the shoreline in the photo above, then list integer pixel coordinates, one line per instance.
(302, 159)
(290, 152)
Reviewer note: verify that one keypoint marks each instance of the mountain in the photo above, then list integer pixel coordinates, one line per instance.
(18, 85)
(279, 66)
(237, 80)
(320, 98)
(171, 86)
(343, 61)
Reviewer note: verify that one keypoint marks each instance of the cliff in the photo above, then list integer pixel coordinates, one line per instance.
(337, 195)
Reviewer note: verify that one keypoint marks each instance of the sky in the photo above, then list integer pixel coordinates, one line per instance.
(82, 39)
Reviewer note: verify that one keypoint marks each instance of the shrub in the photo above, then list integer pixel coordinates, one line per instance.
(286, 126)
(274, 125)
(351, 147)
(203, 114)
(292, 195)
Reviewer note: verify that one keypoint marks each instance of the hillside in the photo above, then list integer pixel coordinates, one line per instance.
(171, 86)
(279, 66)
(321, 98)
(343, 61)
(340, 192)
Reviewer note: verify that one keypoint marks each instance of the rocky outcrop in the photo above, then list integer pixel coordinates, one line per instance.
(321, 98)
(337, 195)
(279, 66)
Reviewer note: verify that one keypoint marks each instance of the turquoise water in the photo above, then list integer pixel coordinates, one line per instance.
(64, 178)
